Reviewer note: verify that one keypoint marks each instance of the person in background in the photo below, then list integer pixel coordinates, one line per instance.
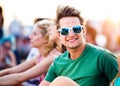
(27, 70)
(33, 52)
(91, 33)
(7, 57)
(72, 67)
(54, 37)
(1, 23)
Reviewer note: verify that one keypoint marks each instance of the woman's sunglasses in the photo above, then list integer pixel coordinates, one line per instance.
(75, 29)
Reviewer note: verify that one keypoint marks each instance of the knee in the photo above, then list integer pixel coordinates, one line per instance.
(62, 78)
(63, 81)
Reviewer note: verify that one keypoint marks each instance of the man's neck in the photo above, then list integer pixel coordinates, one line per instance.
(75, 53)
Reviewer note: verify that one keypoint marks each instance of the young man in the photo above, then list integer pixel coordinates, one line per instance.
(82, 64)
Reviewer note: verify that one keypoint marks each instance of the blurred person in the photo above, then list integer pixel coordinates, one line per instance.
(117, 49)
(32, 53)
(91, 34)
(25, 47)
(17, 50)
(29, 69)
(33, 50)
(7, 57)
(3, 32)
(20, 42)
(16, 28)
(52, 37)
(1, 23)
(71, 68)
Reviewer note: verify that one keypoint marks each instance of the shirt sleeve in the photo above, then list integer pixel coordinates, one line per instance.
(108, 65)
(51, 74)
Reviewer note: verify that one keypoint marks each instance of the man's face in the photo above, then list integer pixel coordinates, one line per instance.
(71, 40)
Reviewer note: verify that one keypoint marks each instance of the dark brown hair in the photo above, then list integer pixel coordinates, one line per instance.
(1, 18)
(67, 11)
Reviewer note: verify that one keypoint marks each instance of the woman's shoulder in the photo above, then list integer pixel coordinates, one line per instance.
(55, 52)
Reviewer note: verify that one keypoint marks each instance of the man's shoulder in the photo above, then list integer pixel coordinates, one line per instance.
(62, 56)
(95, 47)
(97, 50)
(103, 52)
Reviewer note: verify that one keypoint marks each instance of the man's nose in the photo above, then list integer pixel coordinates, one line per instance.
(71, 33)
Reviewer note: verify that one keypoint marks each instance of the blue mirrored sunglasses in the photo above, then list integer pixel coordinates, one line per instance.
(75, 29)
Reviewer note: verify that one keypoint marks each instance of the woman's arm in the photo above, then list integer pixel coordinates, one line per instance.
(19, 68)
(12, 58)
(37, 70)
(9, 80)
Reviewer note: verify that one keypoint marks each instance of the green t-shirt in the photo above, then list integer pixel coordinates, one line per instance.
(94, 67)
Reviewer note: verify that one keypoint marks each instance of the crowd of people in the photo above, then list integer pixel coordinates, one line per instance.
(64, 52)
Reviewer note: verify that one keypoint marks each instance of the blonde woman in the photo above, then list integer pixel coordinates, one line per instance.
(38, 65)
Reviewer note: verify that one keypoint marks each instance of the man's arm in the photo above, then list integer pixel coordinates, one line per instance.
(12, 58)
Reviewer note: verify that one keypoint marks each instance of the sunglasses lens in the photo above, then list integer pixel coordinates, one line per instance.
(77, 29)
(64, 31)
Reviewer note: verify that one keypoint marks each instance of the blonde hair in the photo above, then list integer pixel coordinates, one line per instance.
(44, 25)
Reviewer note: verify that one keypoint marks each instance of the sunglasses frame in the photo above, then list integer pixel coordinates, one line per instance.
(69, 29)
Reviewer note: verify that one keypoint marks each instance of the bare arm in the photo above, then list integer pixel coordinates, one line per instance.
(12, 79)
(19, 68)
(37, 70)
(12, 58)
